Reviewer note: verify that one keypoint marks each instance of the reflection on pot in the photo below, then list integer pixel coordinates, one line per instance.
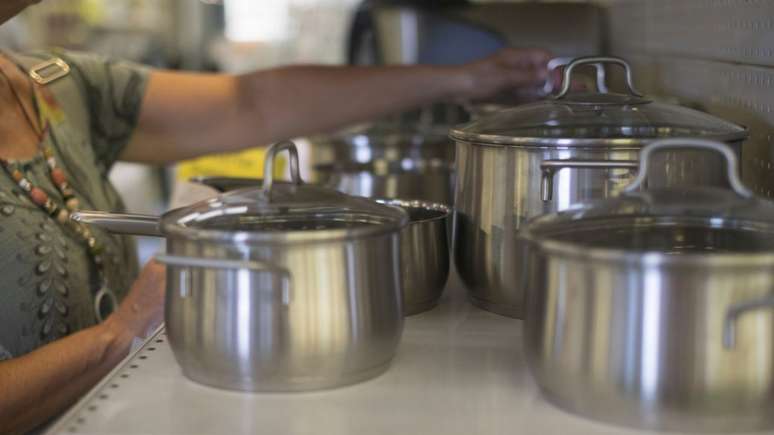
(428, 180)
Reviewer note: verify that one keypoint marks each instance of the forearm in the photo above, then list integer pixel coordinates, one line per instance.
(310, 99)
(43, 383)
(189, 115)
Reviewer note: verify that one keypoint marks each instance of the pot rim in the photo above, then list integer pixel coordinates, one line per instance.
(444, 210)
(170, 225)
(173, 229)
(645, 258)
(616, 143)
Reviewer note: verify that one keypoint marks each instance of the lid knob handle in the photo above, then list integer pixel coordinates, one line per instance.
(268, 165)
(567, 79)
(562, 62)
(687, 143)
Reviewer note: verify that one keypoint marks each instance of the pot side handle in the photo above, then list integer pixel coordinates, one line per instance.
(249, 265)
(549, 168)
(736, 311)
(721, 148)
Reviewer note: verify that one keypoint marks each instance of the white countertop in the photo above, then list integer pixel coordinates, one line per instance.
(458, 370)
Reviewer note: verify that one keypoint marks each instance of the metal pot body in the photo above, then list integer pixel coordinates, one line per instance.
(302, 316)
(365, 147)
(433, 184)
(641, 343)
(424, 253)
(499, 187)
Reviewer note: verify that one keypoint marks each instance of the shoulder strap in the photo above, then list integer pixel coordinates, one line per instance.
(55, 74)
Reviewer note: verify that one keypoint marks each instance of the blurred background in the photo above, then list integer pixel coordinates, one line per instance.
(713, 55)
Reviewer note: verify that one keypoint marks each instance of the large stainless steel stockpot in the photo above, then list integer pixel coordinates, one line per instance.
(656, 309)
(285, 288)
(544, 157)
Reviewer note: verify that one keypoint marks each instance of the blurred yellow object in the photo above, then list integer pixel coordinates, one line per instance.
(248, 163)
(91, 11)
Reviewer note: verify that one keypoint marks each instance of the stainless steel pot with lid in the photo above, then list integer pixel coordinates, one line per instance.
(656, 309)
(543, 157)
(289, 287)
(424, 244)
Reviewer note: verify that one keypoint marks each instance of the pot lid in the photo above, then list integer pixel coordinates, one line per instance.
(671, 220)
(595, 119)
(292, 211)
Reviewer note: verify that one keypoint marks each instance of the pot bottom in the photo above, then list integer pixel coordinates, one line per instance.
(420, 307)
(288, 386)
(663, 419)
(496, 308)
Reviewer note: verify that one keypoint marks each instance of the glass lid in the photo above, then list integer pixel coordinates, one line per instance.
(668, 221)
(595, 119)
(288, 211)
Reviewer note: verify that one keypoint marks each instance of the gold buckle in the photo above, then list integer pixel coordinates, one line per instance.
(49, 71)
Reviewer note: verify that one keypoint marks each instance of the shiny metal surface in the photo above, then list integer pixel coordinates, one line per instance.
(642, 345)
(275, 213)
(731, 163)
(602, 120)
(550, 167)
(324, 315)
(124, 223)
(405, 179)
(661, 320)
(424, 253)
(283, 288)
(499, 188)
(385, 141)
(597, 60)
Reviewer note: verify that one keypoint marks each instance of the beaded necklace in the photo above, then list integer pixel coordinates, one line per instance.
(105, 300)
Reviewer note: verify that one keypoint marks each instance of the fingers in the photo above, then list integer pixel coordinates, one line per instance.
(143, 307)
(525, 58)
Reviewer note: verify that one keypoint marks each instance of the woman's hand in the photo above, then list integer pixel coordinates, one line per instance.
(43, 383)
(143, 308)
(510, 69)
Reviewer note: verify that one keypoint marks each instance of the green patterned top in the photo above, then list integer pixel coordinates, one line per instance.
(47, 279)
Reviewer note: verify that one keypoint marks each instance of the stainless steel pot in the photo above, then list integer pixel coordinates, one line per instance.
(544, 157)
(427, 180)
(654, 309)
(424, 253)
(286, 288)
(424, 245)
(384, 141)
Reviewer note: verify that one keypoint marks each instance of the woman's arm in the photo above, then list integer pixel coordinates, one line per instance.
(185, 115)
(37, 386)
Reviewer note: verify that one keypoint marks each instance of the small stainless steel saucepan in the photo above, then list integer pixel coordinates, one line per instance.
(289, 287)
(424, 247)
